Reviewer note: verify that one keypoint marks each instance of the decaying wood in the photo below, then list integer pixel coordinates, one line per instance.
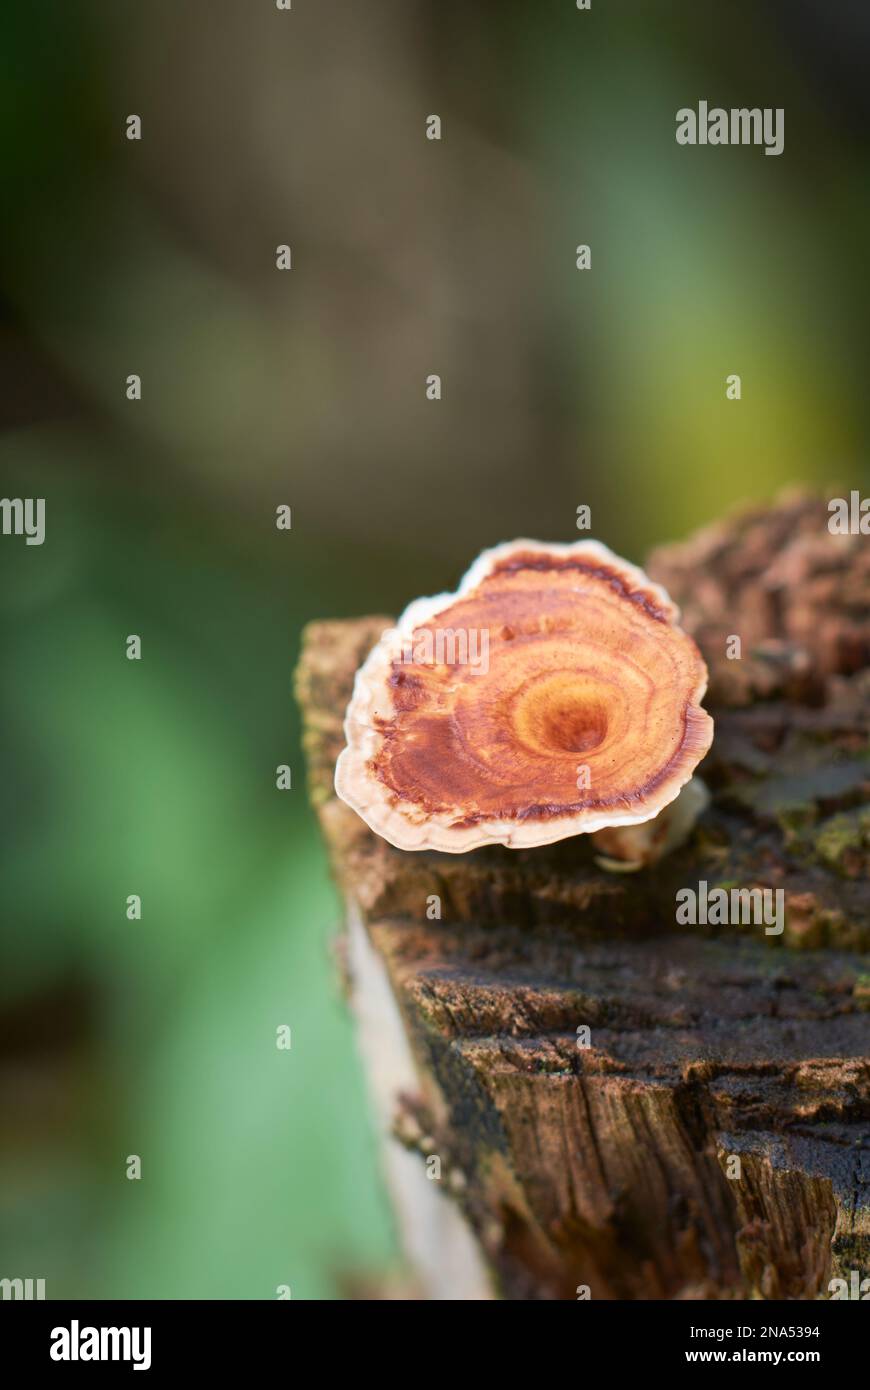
(614, 1165)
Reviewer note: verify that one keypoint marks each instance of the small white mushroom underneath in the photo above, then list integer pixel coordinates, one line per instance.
(632, 847)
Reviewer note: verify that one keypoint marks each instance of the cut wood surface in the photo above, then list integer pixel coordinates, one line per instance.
(708, 1136)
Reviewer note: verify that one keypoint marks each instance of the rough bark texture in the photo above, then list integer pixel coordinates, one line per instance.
(612, 1165)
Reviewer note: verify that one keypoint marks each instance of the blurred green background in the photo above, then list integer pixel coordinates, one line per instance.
(307, 388)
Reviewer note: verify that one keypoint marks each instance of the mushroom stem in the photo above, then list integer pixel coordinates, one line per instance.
(628, 848)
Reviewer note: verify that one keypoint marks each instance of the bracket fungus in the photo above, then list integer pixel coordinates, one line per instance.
(553, 694)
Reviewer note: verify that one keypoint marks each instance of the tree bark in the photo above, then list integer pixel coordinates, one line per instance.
(711, 1140)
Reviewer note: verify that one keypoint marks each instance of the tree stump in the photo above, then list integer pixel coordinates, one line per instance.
(577, 1094)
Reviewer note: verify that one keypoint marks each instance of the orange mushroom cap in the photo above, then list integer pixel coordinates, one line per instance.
(553, 694)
